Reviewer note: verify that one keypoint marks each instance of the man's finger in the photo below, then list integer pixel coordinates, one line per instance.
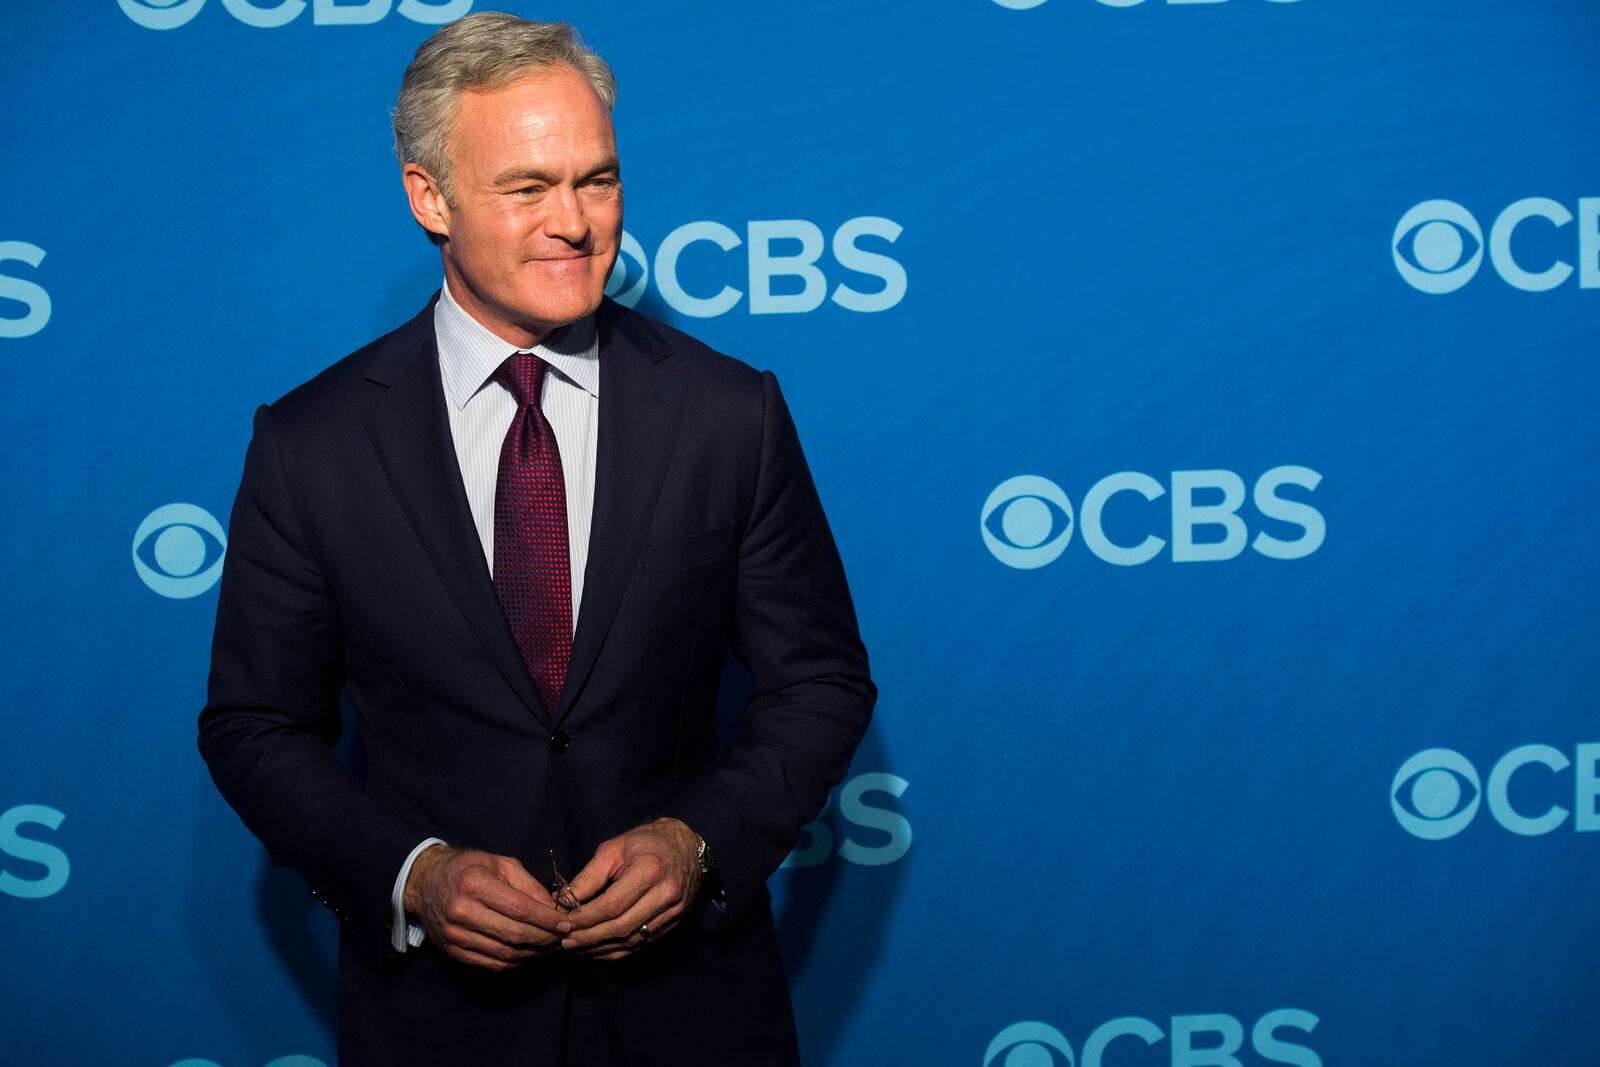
(631, 884)
(469, 940)
(477, 959)
(513, 903)
(468, 914)
(657, 909)
(631, 940)
(599, 871)
(613, 954)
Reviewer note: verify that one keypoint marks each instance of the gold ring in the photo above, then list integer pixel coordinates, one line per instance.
(644, 933)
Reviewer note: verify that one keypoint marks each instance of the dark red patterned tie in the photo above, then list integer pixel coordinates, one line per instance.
(532, 570)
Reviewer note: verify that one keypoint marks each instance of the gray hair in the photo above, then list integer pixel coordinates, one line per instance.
(482, 52)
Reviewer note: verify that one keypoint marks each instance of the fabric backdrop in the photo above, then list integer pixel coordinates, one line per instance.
(1201, 392)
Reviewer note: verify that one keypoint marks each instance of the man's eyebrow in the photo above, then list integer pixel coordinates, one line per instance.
(534, 174)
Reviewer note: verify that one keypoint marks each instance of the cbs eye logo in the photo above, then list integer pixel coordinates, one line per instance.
(1029, 1044)
(1026, 522)
(618, 287)
(1437, 246)
(178, 550)
(160, 14)
(764, 265)
(1435, 794)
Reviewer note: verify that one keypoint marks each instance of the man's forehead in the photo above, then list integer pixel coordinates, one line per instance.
(558, 87)
(554, 112)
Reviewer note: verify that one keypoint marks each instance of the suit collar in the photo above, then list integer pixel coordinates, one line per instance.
(640, 401)
(410, 430)
(396, 350)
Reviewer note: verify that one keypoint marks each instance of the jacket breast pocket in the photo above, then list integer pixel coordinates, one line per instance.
(688, 551)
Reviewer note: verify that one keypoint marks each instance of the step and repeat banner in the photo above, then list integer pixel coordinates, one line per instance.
(1203, 393)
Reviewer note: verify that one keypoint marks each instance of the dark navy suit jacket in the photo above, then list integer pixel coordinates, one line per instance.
(353, 564)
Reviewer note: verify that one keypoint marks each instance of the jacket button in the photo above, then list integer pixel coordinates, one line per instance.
(559, 742)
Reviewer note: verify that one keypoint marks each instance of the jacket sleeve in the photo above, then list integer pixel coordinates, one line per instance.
(795, 631)
(272, 713)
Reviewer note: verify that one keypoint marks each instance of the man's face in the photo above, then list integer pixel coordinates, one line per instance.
(537, 217)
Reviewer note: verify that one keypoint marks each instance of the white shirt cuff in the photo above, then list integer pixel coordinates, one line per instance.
(403, 934)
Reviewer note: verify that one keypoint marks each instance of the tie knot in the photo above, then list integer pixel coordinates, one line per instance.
(522, 373)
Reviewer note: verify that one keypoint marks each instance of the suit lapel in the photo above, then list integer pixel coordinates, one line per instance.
(410, 430)
(639, 408)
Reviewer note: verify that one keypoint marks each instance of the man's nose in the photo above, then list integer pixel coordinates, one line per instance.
(566, 219)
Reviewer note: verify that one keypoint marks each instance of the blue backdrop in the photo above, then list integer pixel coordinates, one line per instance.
(1202, 396)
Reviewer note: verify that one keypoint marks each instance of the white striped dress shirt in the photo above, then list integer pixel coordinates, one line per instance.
(481, 411)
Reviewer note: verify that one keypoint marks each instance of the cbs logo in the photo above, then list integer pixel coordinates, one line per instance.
(678, 270)
(1036, 1044)
(170, 14)
(33, 853)
(29, 294)
(817, 838)
(1027, 521)
(1438, 245)
(178, 550)
(1437, 792)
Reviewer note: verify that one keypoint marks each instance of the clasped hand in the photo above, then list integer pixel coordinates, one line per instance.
(488, 911)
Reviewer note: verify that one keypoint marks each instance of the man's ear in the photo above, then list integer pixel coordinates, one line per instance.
(428, 205)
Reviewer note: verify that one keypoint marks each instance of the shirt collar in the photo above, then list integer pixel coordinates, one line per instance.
(469, 353)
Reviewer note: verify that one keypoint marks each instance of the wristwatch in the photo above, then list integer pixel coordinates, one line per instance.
(704, 857)
(710, 878)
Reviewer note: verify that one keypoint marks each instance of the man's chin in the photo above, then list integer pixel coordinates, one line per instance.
(544, 315)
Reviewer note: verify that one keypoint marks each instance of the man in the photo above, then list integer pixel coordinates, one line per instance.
(522, 531)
